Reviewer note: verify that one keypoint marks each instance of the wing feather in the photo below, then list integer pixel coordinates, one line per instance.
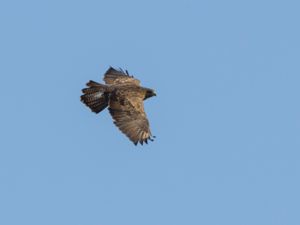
(113, 76)
(127, 111)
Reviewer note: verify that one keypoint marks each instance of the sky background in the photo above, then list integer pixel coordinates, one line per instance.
(226, 115)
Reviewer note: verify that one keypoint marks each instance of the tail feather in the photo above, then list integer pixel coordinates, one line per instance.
(95, 96)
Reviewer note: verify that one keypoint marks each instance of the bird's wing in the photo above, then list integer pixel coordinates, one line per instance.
(113, 76)
(127, 110)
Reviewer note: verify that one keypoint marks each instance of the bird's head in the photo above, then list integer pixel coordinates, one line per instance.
(149, 93)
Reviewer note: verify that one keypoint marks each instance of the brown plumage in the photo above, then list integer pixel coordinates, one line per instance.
(124, 97)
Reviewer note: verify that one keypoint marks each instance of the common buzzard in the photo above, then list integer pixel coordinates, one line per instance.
(124, 97)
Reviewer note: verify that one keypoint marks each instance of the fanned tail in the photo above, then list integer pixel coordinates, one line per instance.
(95, 96)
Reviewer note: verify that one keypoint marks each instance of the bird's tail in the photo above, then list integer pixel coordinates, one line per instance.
(95, 96)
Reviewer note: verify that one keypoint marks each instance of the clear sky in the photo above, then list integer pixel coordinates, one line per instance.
(226, 115)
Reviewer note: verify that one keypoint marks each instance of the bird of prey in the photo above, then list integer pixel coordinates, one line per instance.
(124, 97)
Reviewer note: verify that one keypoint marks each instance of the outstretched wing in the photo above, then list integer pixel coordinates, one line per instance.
(113, 76)
(127, 110)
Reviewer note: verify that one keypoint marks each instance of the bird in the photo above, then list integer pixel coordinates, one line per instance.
(124, 96)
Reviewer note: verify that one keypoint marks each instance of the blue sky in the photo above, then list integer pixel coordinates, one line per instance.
(227, 114)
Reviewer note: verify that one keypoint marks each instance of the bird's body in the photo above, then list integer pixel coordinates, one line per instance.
(124, 97)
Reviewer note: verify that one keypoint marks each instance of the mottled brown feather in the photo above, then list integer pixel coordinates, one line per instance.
(127, 110)
(113, 76)
(95, 96)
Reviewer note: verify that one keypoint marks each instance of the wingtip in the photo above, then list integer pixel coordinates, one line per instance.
(109, 69)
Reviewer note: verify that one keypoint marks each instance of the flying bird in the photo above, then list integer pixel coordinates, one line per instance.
(124, 96)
